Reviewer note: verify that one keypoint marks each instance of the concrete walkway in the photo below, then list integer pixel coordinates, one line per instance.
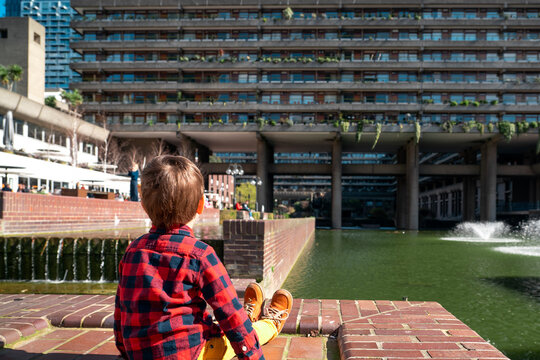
(363, 329)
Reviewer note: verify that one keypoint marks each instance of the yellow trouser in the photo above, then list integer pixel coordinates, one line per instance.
(220, 348)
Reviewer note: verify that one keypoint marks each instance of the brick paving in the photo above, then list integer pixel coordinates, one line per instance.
(364, 329)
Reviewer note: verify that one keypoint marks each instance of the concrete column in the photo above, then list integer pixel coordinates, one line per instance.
(537, 192)
(336, 183)
(265, 156)
(488, 182)
(413, 186)
(401, 203)
(469, 190)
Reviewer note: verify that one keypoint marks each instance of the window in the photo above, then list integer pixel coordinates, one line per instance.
(509, 56)
(470, 36)
(509, 99)
(347, 77)
(492, 36)
(492, 14)
(531, 99)
(330, 99)
(37, 38)
(457, 36)
(295, 99)
(492, 56)
(3, 33)
(383, 77)
(381, 98)
(275, 99)
(457, 14)
(309, 99)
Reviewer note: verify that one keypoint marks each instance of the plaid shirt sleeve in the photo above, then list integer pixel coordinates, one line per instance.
(220, 294)
(117, 330)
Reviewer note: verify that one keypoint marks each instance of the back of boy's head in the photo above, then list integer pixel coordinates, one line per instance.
(171, 188)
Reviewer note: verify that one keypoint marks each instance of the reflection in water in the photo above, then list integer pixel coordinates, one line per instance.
(528, 286)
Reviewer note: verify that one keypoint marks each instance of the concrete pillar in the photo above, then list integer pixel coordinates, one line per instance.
(336, 183)
(412, 184)
(537, 192)
(488, 182)
(401, 191)
(469, 190)
(401, 203)
(265, 156)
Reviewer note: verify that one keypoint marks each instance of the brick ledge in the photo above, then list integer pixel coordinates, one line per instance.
(364, 328)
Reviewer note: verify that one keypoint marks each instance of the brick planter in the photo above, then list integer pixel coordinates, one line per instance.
(265, 249)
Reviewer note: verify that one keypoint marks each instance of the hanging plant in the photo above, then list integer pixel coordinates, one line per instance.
(400, 127)
(345, 126)
(522, 127)
(533, 124)
(377, 135)
(466, 127)
(448, 126)
(538, 143)
(507, 129)
(359, 131)
(491, 127)
(418, 131)
(288, 13)
(481, 128)
(261, 122)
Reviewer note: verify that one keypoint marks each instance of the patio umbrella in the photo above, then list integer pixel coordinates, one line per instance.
(8, 130)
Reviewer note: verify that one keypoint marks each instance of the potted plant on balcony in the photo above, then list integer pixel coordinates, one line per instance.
(288, 13)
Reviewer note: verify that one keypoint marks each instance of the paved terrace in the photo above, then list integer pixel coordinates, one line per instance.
(80, 327)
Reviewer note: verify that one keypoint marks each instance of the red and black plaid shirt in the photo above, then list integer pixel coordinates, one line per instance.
(166, 279)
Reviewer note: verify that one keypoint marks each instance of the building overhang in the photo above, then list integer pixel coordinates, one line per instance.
(48, 117)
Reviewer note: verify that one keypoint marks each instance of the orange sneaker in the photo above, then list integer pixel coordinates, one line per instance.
(253, 301)
(280, 308)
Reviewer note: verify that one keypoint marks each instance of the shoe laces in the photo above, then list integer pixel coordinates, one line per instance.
(250, 307)
(276, 315)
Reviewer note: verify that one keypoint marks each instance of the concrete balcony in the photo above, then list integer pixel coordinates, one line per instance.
(220, 107)
(255, 4)
(306, 86)
(313, 44)
(376, 23)
(342, 65)
(488, 108)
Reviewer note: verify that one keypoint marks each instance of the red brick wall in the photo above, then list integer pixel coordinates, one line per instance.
(34, 213)
(265, 250)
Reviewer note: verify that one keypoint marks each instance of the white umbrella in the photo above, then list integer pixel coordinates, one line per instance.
(8, 131)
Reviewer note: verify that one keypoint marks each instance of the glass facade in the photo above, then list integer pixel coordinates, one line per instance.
(56, 17)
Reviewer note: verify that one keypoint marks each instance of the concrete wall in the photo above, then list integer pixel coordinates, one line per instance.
(265, 250)
(25, 46)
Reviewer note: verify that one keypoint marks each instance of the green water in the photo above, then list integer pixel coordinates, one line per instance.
(496, 294)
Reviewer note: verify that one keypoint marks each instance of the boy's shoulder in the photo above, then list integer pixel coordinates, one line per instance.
(182, 242)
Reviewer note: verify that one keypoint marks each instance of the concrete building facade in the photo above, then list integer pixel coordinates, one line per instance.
(335, 78)
(22, 41)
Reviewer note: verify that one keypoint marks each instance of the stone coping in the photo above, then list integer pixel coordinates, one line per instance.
(364, 328)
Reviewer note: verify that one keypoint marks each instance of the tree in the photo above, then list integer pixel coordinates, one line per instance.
(73, 98)
(50, 101)
(10, 75)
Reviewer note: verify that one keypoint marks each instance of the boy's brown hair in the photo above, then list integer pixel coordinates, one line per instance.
(171, 188)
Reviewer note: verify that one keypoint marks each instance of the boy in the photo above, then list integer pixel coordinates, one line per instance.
(167, 277)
